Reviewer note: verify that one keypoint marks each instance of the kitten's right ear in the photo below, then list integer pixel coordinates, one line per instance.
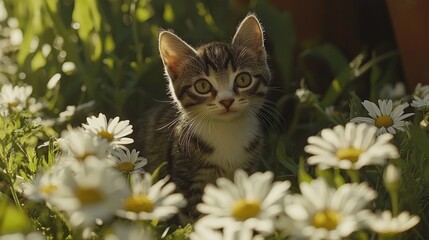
(173, 50)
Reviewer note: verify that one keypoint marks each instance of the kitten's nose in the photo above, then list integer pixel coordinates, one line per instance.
(227, 102)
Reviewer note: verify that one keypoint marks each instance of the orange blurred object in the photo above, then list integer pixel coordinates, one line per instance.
(410, 20)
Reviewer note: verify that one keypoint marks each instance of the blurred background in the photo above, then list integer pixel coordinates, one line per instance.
(83, 57)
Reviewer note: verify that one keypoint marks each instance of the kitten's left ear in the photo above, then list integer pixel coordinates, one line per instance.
(250, 35)
(173, 51)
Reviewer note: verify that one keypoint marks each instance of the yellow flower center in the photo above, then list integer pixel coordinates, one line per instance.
(383, 121)
(48, 189)
(351, 154)
(139, 203)
(327, 219)
(125, 167)
(12, 104)
(106, 135)
(88, 195)
(244, 209)
(83, 157)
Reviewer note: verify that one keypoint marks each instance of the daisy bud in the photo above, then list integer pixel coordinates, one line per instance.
(305, 96)
(425, 122)
(392, 178)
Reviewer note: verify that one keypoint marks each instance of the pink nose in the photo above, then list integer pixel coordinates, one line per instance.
(226, 103)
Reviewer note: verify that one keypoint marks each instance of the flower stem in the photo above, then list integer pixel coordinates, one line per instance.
(354, 175)
(15, 198)
(395, 202)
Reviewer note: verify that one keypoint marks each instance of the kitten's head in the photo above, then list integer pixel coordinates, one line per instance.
(218, 80)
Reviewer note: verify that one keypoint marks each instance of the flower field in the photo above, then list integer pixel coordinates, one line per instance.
(348, 162)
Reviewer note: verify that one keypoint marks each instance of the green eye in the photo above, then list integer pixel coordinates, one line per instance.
(202, 86)
(243, 80)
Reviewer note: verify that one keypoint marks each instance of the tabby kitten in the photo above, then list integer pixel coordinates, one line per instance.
(218, 91)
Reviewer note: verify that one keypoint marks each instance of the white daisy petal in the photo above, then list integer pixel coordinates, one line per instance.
(245, 208)
(359, 147)
(337, 219)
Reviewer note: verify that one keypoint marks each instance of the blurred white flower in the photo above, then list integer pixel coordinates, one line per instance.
(421, 90)
(128, 162)
(149, 201)
(247, 205)
(16, 36)
(94, 191)
(22, 236)
(53, 81)
(3, 11)
(14, 98)
(113, 130)
(212, 228)
(350, 147)
(389, 91)
(384, 223)
(384, 117)
(68, 67)
(78, 144)
(45, 184)
(129, 231)
(305, 96)
(323, 212)
(67, 114)
(421, 103)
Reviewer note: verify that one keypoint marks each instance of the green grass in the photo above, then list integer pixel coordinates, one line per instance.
(117, 71)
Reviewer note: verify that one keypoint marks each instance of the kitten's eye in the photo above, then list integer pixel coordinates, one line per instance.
(202, 86)
(243, 80)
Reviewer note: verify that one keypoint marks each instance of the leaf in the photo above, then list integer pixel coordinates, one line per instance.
(38, 61)
(356, 107)
(87, 14)
(11, 219)
(303, 176)
(285, 160)
(180, 233)
(156, 175)
(420, 139)
(342, 80)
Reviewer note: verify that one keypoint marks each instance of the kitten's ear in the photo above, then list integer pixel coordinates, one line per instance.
(250, 35)
(173, 50)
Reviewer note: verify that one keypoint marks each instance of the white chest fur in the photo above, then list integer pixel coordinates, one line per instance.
(230, 140)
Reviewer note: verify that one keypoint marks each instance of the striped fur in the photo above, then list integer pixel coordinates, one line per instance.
(208, 135)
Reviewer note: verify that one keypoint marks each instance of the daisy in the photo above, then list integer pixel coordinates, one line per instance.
(383, 117)
(149, 201)
(322, 212)
(14, 98)
(385, 224)
(248, 204)
(420, 103)
(113, 130)
(23, 236)
(78, 144)
(128, 162)
(421, 90)
(94, 191)
(396, 91)
(45, 184)
(211, 228)
(350, 147)
(129, 231)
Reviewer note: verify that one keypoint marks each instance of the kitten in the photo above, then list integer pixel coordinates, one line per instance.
(218, 91)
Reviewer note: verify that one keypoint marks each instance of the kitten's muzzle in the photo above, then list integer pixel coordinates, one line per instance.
(227, 103)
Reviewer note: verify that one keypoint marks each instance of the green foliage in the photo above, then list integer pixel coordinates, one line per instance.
(12, 219)
(102, 56)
